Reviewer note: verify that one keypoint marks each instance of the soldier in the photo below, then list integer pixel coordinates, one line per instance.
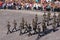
(8, 27)
(23, 22)
(26, 28)
(48, 18)
(58, 20)
(44, 16)
(15, 25)
(36, 20)
(20, 27)
(44, 27)
(48, 15)
(39, 30)
(54, 22)
(29, 29)
(33, 24)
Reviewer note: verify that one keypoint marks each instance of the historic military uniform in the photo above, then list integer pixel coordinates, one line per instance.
(15, 25)
(33, 24)
(48, 15)
(44, 16)
(26, 28)
(58, 20)
(44, 27)
(23, 22)
(48, 18)
(8, 27)
(39, 30)
(20, 27)
(54, 22)
(36, 20)
(29, 29)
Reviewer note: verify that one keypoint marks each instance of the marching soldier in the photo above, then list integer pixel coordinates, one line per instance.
(26, 28)
(29, 29)
(48, 15)
(33, 24)
(15, 25)
(48, 18)
(23, 22)
(44, 27)
(54, 22)
(44, 16)
(20, 27)
(36, 20)
(58, 20)
(8, 27)
(39, 30)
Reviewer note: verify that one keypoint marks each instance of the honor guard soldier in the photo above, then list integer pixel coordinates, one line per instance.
(23, 22)
(26, 28)
(15, 25)
(54, 22)
(29, 29)
(48, 18)
(58, 20)
(20, 27)
(48, 15)
(36, 20)
(8, 27)
(39, 30)
(33, 24)
(44, 16)
(44, 27)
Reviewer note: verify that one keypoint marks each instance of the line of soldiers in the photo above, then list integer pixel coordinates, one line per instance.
(56, 20)
(35, 25)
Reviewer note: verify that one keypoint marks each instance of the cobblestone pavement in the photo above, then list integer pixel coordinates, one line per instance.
(10, 15)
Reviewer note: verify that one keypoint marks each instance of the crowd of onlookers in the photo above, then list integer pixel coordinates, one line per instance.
(48, 6)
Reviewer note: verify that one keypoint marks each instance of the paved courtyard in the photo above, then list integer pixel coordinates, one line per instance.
(10, 15)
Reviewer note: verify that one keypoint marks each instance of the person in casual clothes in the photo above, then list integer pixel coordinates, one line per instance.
(1, 3)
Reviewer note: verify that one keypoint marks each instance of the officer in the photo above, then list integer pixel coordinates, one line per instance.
(8, 27)
(15, 25)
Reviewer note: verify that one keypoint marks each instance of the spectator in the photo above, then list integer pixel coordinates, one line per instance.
(1, 3)
(48, 7)
(4, 5)
(9, 5)
(27, 6)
